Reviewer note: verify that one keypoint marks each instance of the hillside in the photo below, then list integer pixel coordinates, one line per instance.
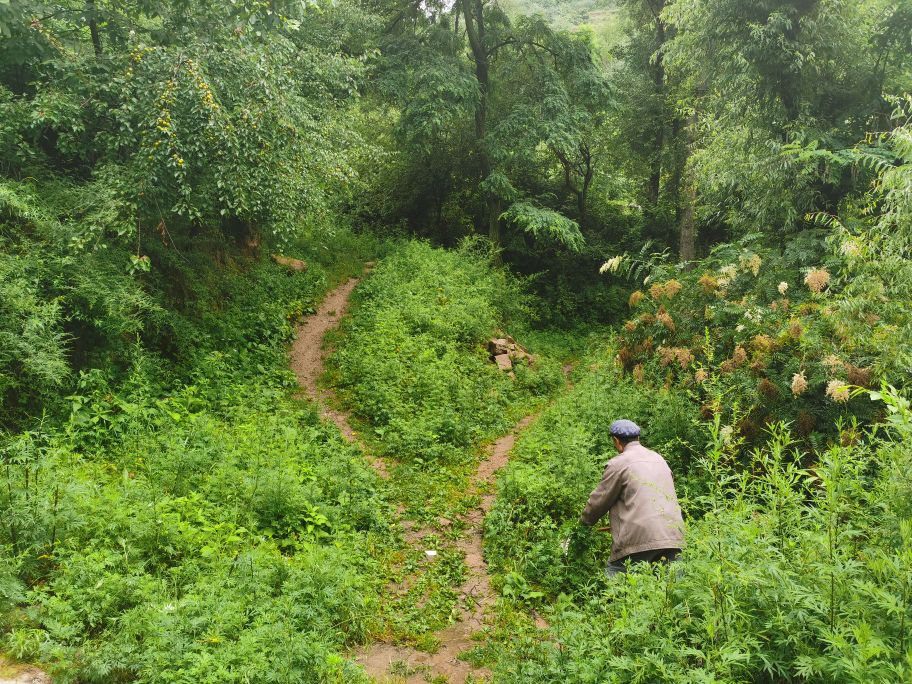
(419, 343)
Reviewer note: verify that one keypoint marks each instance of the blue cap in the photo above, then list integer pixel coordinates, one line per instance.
(626, 429)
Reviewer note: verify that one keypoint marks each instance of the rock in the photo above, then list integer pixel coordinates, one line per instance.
(504, 362)
(290, 263)
(498, 346)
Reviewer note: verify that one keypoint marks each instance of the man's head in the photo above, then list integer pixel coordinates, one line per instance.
(624, 432)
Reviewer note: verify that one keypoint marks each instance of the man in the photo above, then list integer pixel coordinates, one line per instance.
(638, 489)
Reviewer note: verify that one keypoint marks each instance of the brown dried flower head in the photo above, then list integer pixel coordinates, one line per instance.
(838, 391)
(701, 376)
(707, 283)
(858, 376)
(635, 298)
(799, 384)
(639, 375)
(833, 363)
(630, 326)
(817, 279)
(657, 291)
(768, 389)
(672, 287)
(665, 319)
(739, 356)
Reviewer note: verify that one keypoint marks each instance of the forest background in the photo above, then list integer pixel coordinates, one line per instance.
(705, 205)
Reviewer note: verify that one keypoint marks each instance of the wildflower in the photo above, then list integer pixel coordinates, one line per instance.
(833, 363)
(672, 287)
(707, 283)
(850, 248)
(795, 329)
(740, 328)
(612, 265)
(817, 279)
(751, 263)
(726, 433)
(729, 272)
(763, 343)
(783, 288)
(665, 319)
(739, 356)
(635, 298)
(657, 291)
(799, 384)
(701, 376)
(838, 391)
(684, 357)
(630, 326)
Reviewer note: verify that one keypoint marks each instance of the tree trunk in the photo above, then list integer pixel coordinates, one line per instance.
(92, 20)
(473, 13)
(687, 245)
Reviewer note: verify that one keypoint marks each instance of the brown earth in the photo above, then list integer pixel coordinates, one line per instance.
(392, 664)
(11, 673)
(307, 358)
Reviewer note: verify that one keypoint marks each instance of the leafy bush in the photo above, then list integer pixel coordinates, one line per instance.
(225, 548)
(179, 516)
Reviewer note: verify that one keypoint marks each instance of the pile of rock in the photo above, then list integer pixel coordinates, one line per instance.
(505, 352)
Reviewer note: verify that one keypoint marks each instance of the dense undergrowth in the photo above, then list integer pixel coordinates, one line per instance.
(792, 571)
(413, 365)
(187, 519)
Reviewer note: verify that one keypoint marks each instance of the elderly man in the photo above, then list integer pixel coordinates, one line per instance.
(638, 489)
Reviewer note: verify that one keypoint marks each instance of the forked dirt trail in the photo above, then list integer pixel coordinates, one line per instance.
(388, 663)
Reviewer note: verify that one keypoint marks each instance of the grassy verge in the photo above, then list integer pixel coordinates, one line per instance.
(189, 521)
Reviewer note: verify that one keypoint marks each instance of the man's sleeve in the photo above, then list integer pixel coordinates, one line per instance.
(604, 496)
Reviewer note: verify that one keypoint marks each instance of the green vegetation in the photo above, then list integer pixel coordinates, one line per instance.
(413, 363)
(702, 207)
(790, 571)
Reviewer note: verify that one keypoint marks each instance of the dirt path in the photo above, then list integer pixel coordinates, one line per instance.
(307, 358)
(21, 674)
(388, 663)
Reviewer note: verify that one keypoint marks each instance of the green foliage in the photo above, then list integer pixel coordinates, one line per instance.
(793, 573)
(413, 361)
(545, 225)
(558, 461)
(188, 519)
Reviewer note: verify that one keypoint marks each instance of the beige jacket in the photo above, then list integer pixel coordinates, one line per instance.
(638, 489)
